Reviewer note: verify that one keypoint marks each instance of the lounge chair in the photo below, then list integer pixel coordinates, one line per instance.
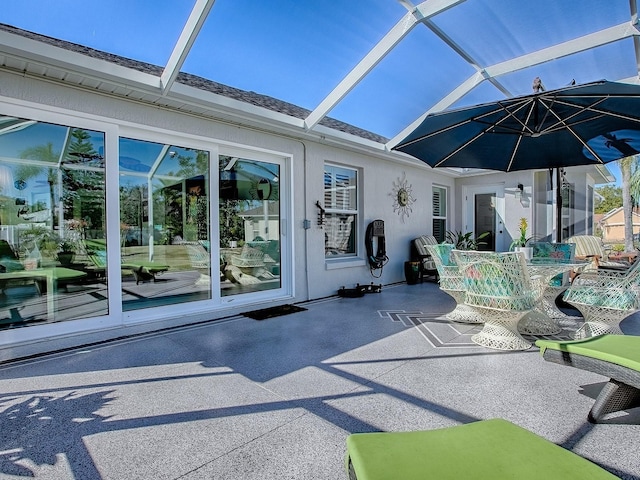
(422, 255)
(452, 283)
(489, 449)
(142, 271)
(498, 287)
(614, 356)
(590, 247)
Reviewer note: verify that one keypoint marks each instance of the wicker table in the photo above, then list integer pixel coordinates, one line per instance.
(543, 320)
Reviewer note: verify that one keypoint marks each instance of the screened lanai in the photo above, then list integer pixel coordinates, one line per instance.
(378, 65)
(123, 121)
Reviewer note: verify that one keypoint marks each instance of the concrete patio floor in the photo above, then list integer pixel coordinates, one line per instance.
(245, 399)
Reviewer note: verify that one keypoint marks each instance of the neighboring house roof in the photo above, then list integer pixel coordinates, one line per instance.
(616, 211)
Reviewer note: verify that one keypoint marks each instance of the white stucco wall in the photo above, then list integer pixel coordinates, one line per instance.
(311, 276)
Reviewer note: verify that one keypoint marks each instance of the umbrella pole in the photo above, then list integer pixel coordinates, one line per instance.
(558, 207)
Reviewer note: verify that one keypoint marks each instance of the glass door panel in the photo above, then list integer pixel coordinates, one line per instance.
(52, 208)
(164, 224)
(249, 207)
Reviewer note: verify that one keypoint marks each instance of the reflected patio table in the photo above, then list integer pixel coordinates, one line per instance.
(543, 320)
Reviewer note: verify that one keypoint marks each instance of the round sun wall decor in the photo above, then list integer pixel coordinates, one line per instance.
(402, 197)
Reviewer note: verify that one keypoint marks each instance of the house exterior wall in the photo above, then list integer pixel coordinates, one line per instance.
(310, 276)
(613, 228)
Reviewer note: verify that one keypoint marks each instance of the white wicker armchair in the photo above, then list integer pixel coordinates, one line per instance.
(499, 288)
(605, 299)
(452, 283)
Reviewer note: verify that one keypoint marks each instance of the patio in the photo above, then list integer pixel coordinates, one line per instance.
(239, 398)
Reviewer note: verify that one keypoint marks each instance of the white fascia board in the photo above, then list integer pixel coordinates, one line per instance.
(580, 44)
(269, 121)
(400, 30)
(216, 102)
(52, 56)
(188, 36)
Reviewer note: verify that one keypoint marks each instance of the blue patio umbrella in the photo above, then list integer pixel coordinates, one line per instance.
(594, 123)
(585, 124)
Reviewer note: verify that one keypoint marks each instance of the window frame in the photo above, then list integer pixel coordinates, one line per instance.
(332, 210)
(434, 217)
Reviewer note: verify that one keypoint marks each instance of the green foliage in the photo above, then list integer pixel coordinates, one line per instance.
(612, 198)
(465, 241)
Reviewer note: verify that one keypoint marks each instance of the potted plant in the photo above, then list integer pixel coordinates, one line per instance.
(465, 241)
(66, 252)
(520, 244)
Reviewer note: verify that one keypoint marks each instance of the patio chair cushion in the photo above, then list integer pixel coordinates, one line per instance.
(613, 356)
(592, 247)
(501, 450)
(420, 245)
(623, 350)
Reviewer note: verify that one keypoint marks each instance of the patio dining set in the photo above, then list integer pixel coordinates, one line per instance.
(511, 295)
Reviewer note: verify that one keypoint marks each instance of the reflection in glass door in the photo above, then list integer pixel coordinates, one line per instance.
(164, 224)
(52, 206)
(249, 209)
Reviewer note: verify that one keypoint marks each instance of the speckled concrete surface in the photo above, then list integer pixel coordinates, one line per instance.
(245, 399)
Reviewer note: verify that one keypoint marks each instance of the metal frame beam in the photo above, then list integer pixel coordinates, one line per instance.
(400, 30)
(182, 47)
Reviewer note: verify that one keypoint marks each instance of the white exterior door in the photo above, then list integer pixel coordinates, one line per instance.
(484, 212)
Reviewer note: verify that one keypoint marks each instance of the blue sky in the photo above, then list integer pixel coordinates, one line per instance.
(298, 51)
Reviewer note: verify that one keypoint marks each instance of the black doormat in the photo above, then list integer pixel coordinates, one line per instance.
(273, 312)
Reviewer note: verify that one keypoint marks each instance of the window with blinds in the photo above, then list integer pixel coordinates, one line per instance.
(439, 213)
(341, 206)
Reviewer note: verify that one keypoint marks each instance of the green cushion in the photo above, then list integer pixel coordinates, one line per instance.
(623, 350)
(488, 449)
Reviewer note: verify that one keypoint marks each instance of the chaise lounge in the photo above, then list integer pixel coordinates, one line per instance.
(613, 356)
(499, 450)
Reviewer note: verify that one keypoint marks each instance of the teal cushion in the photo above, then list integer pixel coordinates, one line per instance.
(9, 265)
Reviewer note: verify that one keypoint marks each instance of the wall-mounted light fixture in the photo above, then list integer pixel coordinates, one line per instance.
(519, 191)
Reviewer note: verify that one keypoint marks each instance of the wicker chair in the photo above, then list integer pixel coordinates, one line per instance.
(452, 283)
(605, 298)
(499, 288)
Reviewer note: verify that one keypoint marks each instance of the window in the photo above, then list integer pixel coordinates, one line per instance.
(439, 213)
(341, 206)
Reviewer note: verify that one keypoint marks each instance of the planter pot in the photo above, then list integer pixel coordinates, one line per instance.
(412, 272)
(66, 258)
(528, 252)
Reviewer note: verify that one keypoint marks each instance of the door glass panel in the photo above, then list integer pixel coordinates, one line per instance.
(249, 225)
(52, 205)
(164, 224)
(485, 220)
